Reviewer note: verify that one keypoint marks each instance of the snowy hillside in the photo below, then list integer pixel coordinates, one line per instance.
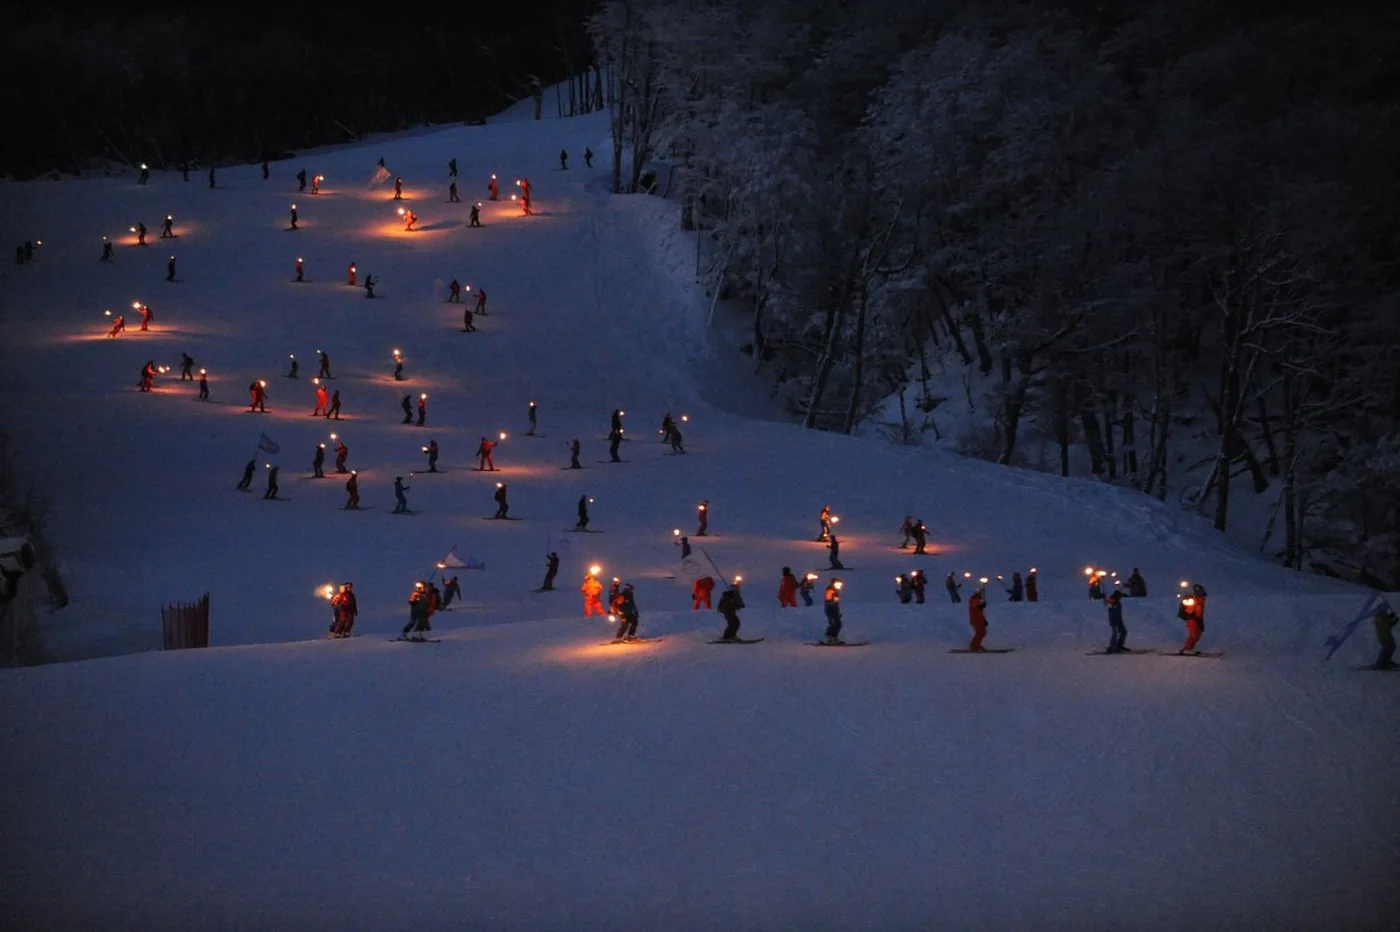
(520, 775)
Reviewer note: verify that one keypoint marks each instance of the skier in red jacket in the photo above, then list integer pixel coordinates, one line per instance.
(1193, 612)
(700, 592)
(484, 463)
(977, 618)
(787, 589)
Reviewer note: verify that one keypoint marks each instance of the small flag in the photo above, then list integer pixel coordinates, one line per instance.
(473, 564)
(453, 559)
(1335, 641)
(266, 444)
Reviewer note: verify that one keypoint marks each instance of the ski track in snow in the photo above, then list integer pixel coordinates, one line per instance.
(519, 776)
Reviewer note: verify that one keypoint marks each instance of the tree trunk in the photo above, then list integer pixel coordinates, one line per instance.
(1093, 439)
(1267, 427)
(828, 359)
(1013, 403)
(853, 405)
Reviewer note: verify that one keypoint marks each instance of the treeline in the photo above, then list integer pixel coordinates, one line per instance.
(145, 84)
(1141, 229)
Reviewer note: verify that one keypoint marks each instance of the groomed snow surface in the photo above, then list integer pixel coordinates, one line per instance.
(521, 775)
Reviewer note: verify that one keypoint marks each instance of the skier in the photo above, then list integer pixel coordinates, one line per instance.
(407, 405)
(495, 191)
(564, 160)
(627, 608)
(316, 184)
(265, 170)
(1137, 586)
(907, 529)
(533, 423)
(422, 409)
(323, 398)
(118, 325)
(346, 608)
(617, 416)
(574, 454)
(186, 367)
(258, 391)
(668, 423)
(452, 197)
(352, 486)
(952, 585)
(615, 596)
(474, 220)
(452, 168)
(977, 618)
(702, 512)
(398, 189)
(398, 367)
(203, 385)
(318, 461)
(325, 365)
(432, 450)
(1193, 611)
(467, 325)
(400, 499)
(903, 589)
(919, 581)
(148, 376)
(107, 255)
(920, 532)
(833, 610)
(334, 410)
(592, 591)
(341, 452)
(700, 592)
(417, 614)
(805, 587)
(1032, 594)
(454, 292)
(502, 505)
(294, 366)
(170, 270)
(729, 604)
(140, 234)
(146, 316)
(369, 286)
(582, 524)
(834, 545)
(1115, 622)
(1096, 586)
(271, 482)
(301, 180)
(614, 441)
(451, 589)
(1384, 620)
(211, 176)
(294, 217)
(145, 174)
(676, 446)
(551, 569)
(167, 228)
(787, 589)
(588, 157)
(1016, 593)
(409, 219)
(481, 302)
(247, 479)
(825, 519)
(350, 274)
(684, 544)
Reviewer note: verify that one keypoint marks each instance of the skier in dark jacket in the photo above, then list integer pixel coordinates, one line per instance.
(352, 488)
(1017, 591)
(432, 450)
(904, 589)
(407, 405)
(918, 581)
(683, 543)
(952, 585)
(1032, 592)
(186, 367)
(502, 505)
(550, 571)
(474, 219)
(564, 159)
(627, 608)
(400, 498)
(1115, 622)
(834, 545)
(1137, 586)
(1384, 620)
(614, 442)
(107, 254)
(919, 531)
(805, 587)
(247, 479)
(582, 524)
(702, 515)
(301, 180)
(573, 455)
(341, 453)
(271, 482)
(170, 270)
(729, 604)
(417, 613)
(318, 461)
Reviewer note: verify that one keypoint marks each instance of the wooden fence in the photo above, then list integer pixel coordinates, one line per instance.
(186, 625)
